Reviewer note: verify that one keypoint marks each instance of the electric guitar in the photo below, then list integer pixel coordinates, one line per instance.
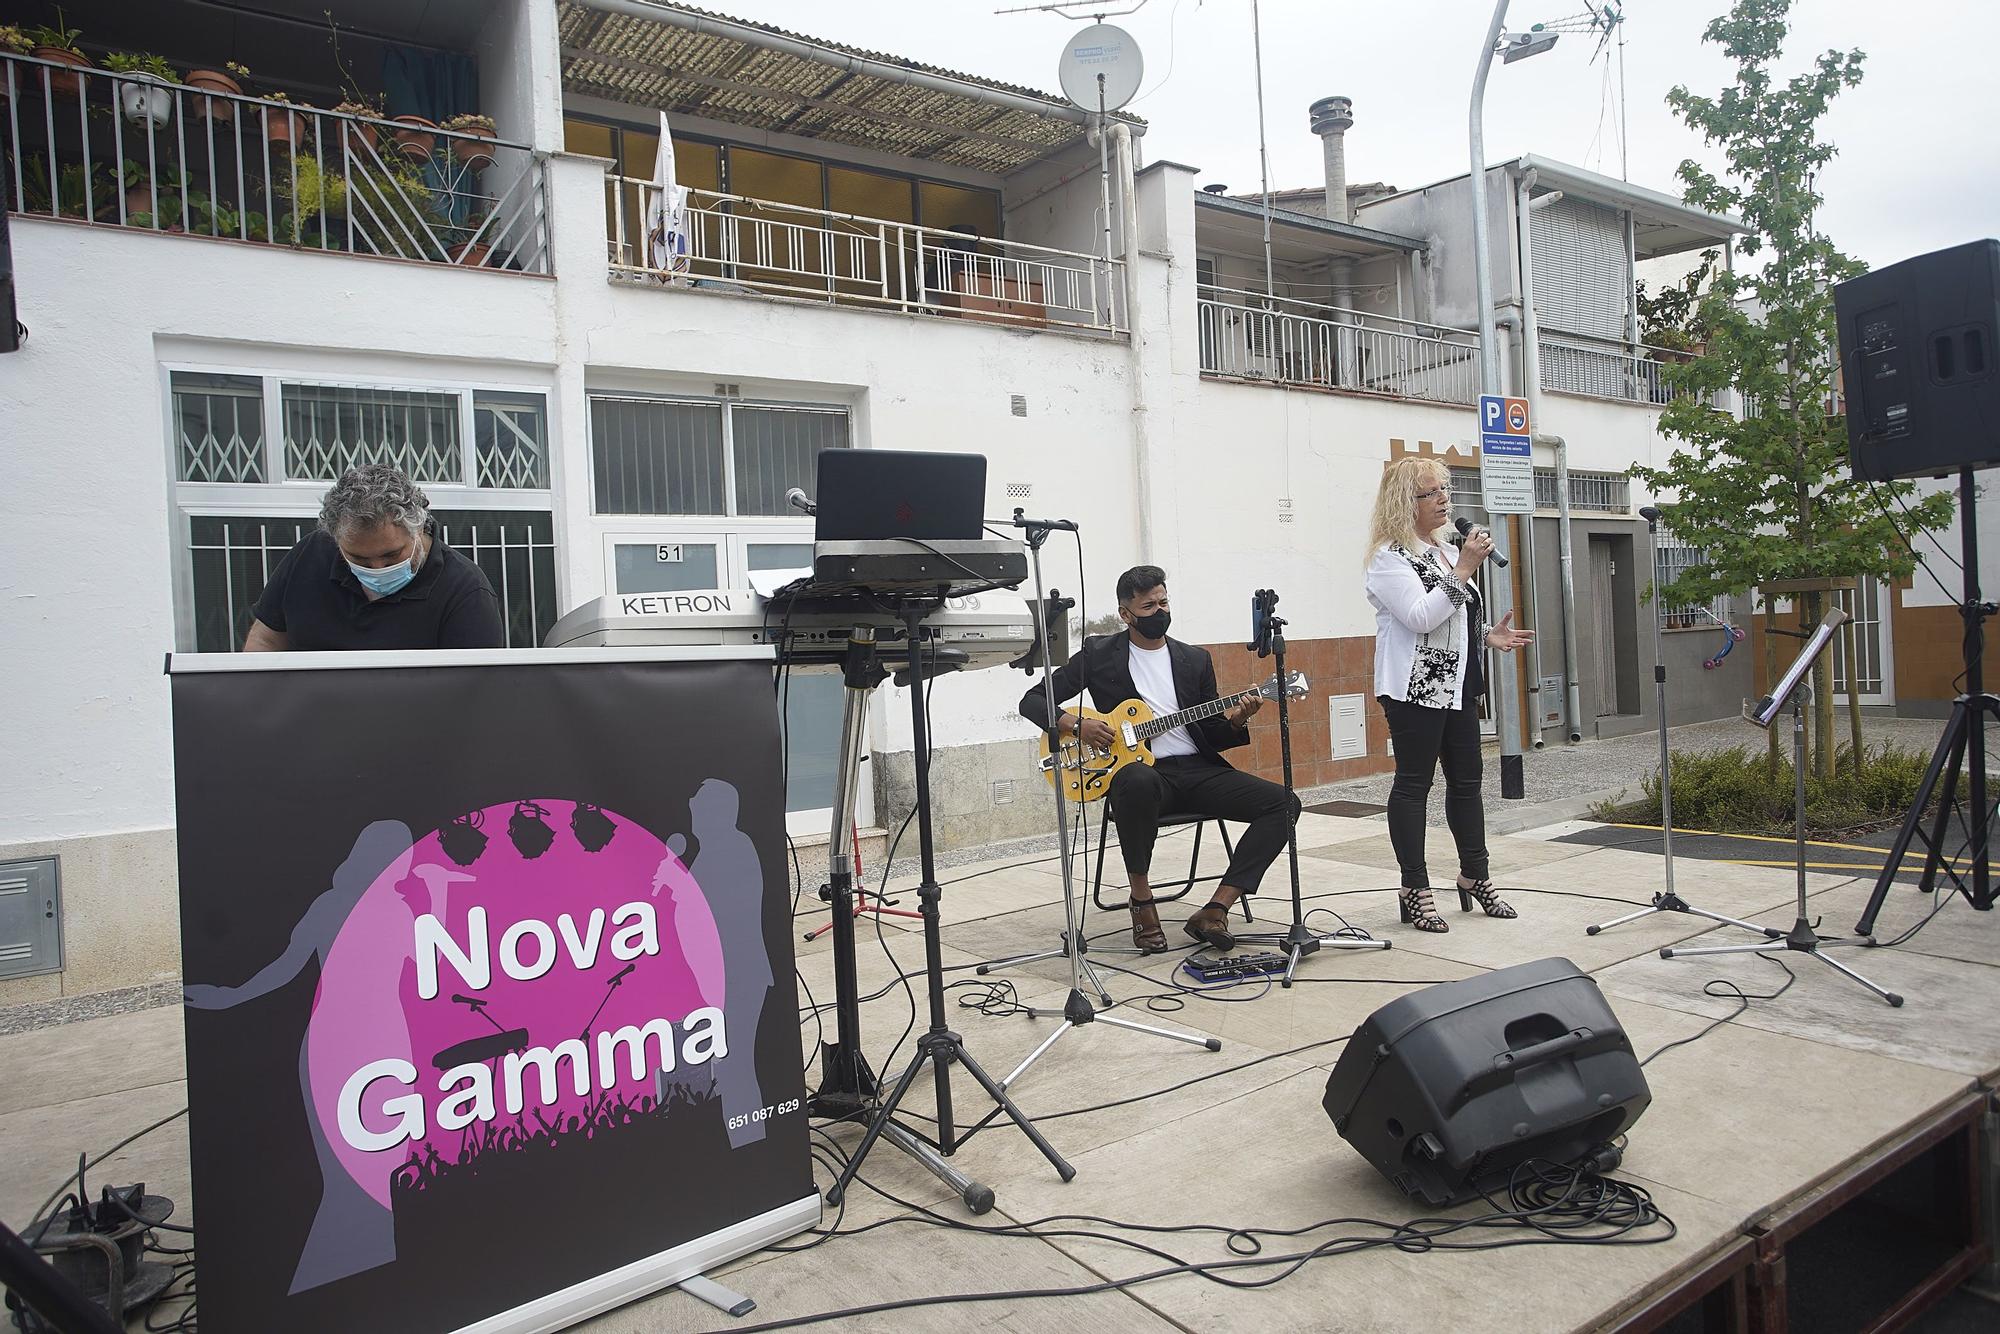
(1085, 771)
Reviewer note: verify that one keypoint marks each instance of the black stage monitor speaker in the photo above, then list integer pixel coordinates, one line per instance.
(1449, 1088)
(1917, 357)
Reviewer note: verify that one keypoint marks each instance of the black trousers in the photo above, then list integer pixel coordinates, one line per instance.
(1426, 737)
(1202, 785)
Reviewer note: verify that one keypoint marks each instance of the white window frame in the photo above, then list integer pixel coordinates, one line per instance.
(300, 498)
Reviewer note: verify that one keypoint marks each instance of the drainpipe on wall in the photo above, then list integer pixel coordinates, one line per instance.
(1573, 702)
(1142, 436)
(1531, 389)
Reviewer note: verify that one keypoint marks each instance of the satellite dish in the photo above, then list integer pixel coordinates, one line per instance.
(1103, 50)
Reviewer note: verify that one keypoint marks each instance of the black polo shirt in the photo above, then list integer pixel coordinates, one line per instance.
(315, 601)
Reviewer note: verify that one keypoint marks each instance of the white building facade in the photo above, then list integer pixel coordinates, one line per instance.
(882, 256)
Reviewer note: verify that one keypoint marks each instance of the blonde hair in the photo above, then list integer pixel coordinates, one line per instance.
(1394, 522)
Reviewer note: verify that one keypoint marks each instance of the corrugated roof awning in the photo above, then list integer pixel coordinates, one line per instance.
(687, 61)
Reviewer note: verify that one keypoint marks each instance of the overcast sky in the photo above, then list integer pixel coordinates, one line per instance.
(1919, 163)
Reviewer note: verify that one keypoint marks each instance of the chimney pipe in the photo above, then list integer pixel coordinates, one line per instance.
(1332, 117)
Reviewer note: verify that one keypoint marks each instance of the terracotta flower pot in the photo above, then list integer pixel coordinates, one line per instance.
(62, 83)
(359, 138)
(470, 254)
(283, 128)
(416, 138)
(473, 154)
(216, 109)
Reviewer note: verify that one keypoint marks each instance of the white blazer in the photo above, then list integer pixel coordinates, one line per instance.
(1425, 615)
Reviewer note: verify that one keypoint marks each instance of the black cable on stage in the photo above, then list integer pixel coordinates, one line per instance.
(1550, 1203)
(1719, 988)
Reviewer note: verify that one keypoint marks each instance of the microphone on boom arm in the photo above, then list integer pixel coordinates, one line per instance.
(1466, 528)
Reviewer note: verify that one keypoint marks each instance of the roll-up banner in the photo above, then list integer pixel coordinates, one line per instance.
(491, 1018)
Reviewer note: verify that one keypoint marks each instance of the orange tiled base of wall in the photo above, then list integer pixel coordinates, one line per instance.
(1333, 667)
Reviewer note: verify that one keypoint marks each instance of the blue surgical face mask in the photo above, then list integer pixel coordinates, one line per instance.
(389, 579)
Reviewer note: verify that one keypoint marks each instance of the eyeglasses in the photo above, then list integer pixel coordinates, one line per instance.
(1434, 491)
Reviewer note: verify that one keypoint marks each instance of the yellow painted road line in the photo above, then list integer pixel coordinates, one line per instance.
(1758, 838)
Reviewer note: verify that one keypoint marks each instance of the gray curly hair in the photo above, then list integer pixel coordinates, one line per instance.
(372, 494)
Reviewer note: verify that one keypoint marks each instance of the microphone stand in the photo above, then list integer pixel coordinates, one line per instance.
(1077, 1009)
(1298, 941)
(1666, 900)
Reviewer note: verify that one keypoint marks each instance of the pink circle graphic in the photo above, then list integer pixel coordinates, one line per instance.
(591, 924)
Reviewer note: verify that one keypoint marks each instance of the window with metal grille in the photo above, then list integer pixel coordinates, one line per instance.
(233, 556)
(331, 428)
(1601, 492)
(218, 427)
(467, 441)
(1670, 560)
(510, 439)
(705, 457)
(775, 450)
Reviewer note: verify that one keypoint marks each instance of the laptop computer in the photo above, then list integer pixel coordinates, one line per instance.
(868, 495)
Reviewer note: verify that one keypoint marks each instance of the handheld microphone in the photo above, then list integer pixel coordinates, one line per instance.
(1064, 525)
(1465, 530)
(798, 500)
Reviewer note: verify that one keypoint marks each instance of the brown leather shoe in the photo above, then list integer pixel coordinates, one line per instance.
(1210, 926)
(1146, 933)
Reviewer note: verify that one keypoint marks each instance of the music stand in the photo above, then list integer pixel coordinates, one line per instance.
(1796, 689)
(1267, 631)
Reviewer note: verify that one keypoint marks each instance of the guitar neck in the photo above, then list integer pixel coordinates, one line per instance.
(1160, 726)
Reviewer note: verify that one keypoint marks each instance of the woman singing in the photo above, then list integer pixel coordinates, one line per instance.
(1427, 613)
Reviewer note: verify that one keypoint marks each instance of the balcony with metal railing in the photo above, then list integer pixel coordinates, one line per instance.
(141, 153)
(1247, 335)
(733, 243)
(1574, 363)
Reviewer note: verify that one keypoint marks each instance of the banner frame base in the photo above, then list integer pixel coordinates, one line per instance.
(642, 1278)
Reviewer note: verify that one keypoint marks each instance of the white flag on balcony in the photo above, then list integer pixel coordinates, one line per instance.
(666, 213)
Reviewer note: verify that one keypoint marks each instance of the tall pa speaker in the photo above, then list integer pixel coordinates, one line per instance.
(1918, 363)
(1449, 1088)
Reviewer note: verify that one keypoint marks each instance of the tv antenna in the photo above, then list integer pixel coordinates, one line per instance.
(1078, 10)
(1099, 70)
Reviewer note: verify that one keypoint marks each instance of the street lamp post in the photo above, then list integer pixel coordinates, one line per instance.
(1500, 591)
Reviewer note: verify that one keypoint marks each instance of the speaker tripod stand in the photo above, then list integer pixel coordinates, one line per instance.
(1666, 900)
(1960, 751)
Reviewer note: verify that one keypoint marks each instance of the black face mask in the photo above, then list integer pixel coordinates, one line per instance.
(1154, 625)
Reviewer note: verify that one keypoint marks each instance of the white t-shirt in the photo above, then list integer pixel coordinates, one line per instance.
(1153, 674)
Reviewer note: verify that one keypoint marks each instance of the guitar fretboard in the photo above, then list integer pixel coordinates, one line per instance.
(1161, 726)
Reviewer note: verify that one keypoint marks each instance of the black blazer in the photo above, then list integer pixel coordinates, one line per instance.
(1104, 664)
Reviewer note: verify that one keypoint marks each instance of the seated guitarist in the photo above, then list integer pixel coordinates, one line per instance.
(1189, 775)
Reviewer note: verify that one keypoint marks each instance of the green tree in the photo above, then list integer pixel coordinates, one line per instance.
(1767, 494)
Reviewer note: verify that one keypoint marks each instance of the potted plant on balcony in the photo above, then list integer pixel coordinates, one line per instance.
(472, 247)
(57, 43)
(474, 154)
(219, 111)
(284, 128)
(361, 137)
(142, 86)
(415, 137)
(14, 40)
